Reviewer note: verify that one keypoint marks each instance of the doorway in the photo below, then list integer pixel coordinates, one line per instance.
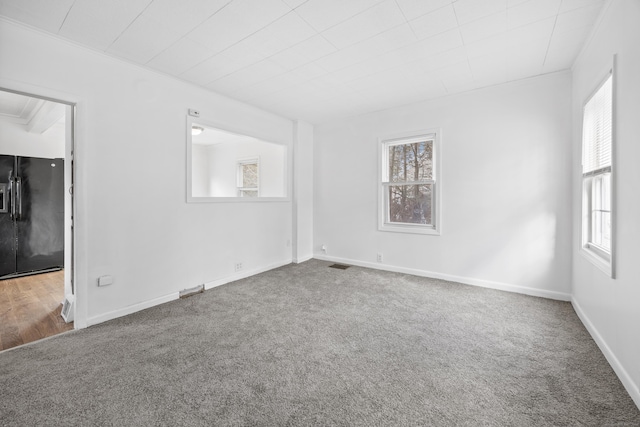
(36, 218)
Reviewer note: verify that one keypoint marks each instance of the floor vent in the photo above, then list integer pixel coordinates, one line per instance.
(67, 309)
(339, 266)
(192, 291)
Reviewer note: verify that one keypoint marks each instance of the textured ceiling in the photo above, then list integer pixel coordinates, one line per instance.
(319, 60)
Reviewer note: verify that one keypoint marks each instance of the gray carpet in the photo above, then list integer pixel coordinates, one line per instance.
(310, 345)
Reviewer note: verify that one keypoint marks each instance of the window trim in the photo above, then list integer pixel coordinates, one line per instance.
(435, 229)
(592, 252)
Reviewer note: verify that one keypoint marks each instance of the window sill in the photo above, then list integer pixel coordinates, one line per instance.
(594, 258)
(412, 229)
(236, 199)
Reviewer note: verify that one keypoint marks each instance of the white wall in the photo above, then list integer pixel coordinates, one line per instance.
(16, 141)
(200, 170)
(132, 219)
(611, 308)
(223, 167)
(303, 192)
(506, 161)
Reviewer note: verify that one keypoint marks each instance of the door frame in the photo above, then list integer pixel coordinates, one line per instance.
(71, 170)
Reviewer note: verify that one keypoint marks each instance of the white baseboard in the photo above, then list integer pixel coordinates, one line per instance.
(175, 295)
(628, 383)
(132, 309)
(561, 296)
(243, 275)
(303, 259)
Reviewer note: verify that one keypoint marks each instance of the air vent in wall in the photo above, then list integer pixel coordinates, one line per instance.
(67, 309)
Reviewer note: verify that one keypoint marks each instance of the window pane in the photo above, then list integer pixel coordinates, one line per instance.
(248, 193)
(601, 211)
(411, 162)
(410, 204)
(596, 129)
(250, 175)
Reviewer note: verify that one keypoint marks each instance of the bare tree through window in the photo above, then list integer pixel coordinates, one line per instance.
(248, 178)
(410, 182)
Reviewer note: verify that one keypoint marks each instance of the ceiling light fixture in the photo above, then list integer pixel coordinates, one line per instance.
(196, 130)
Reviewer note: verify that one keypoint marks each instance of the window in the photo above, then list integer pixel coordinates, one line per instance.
(248, 178)
(597, 140)
(408, 184)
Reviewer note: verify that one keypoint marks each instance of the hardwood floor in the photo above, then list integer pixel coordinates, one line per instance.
(30, 308)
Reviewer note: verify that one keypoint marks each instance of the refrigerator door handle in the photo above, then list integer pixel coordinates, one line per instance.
(19, 197)
(12, 197)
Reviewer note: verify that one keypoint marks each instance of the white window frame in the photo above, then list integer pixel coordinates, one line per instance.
(436, 199)
(602, 258)
(240, 177)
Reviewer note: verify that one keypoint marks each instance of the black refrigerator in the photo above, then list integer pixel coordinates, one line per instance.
(31, 215)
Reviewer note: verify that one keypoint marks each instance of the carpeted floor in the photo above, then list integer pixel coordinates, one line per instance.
(311, 345)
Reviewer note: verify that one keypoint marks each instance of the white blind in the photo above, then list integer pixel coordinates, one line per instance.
(596, 130)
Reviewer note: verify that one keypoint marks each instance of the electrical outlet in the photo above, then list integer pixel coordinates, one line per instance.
(324, 249)
(238, 266)
(379, 258)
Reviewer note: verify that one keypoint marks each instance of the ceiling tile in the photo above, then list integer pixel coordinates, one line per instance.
(180, 57)
(491, 45)
(247, 76)
(115, 12)
(375, 20)
(441, 60)
(89, 32)
(526, 59)
(470, 10)
(143, 40)
(267, 87)
(280, 35)
(304, 52)
(308, 72)
(98, 23)
(391, 78)
(489, 69)
(184, 15)
(564, 47)
(484, 27)
(577, 18)
(230, 60)
(294, 3)
(459, 85)
(238, 20)
(526, 33)
(243, 54)
(436, 44)
(394, 38)
(532, 11)
(459, 70)
(210, 70)
(323, 14)
(568, 5)
(348, 74)
(45, 14)
(415, 8)
(434, 22)
(560, 58)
